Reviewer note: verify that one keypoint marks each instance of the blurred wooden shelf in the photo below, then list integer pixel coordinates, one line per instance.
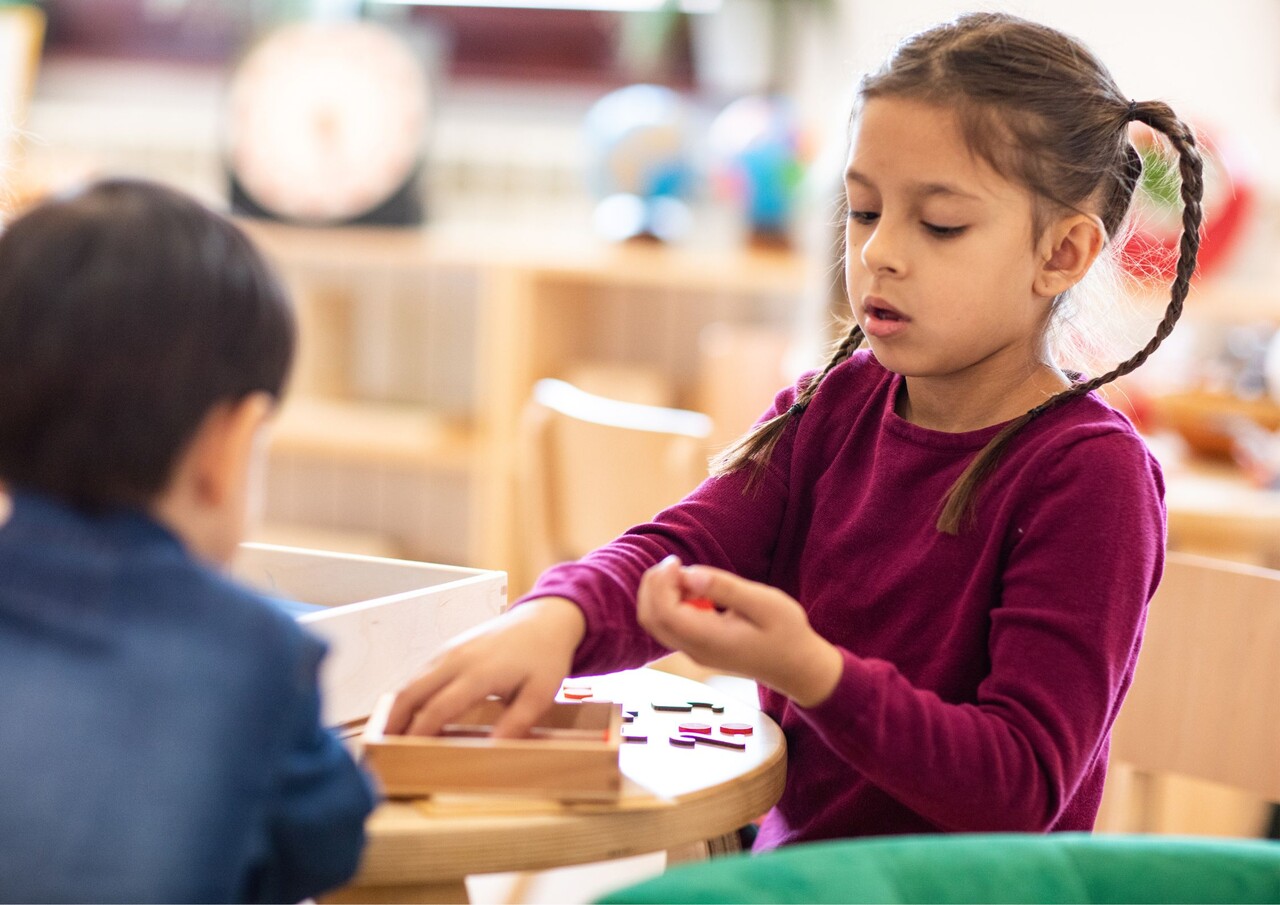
(419, 348)
(372, 433)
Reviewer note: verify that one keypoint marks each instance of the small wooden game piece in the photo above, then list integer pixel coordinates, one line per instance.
(701, 603)
(714, 708)
(636, 739)
(628, 718)
(631, 712)
(718, 742)
(682, 742)
(577, 694)
(674, 708)
(737, 728)
(698, 728)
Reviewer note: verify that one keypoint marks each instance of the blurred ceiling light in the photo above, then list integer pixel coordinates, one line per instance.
(686, 6)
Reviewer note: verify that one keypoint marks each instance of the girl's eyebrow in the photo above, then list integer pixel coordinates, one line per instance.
(922, 189)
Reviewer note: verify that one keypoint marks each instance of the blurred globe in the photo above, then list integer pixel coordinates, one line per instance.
(639, 166)
(756, 147)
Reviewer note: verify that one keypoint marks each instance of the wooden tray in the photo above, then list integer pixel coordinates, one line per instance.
(572, 755)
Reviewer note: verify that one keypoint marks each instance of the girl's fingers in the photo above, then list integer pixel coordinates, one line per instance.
(659, 590)
(446, 706)
(411, 698)
(533, 699)
(749, 599)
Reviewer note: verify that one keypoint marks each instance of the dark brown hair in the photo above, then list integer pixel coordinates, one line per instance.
(1043, 111)
(127, 311)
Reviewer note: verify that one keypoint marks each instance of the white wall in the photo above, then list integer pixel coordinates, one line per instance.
(1217, 63)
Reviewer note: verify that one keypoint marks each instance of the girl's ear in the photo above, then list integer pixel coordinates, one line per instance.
(1068, 250)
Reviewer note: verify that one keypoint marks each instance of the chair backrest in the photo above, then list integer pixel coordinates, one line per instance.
(594, 467)
(741, 367)
(1203, 701)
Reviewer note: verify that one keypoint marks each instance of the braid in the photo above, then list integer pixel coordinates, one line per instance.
(755, 447)
(958, 505)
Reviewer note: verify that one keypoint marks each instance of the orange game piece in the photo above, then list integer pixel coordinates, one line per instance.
(737, 728)
(702, 603)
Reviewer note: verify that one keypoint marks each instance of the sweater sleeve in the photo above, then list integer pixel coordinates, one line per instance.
(721, 523)
(322, 798)
(1084, 559)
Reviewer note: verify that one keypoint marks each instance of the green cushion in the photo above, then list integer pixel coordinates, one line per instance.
(1062, 867)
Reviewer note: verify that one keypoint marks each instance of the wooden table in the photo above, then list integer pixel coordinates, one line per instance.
(422, 850)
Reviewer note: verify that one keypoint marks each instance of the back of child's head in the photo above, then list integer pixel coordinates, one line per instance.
(1043, 112)
(128, 312)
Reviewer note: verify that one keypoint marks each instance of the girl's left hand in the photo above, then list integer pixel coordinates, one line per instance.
(755, 630)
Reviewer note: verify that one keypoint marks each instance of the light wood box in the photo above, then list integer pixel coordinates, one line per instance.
(572, 755)
(384, 618)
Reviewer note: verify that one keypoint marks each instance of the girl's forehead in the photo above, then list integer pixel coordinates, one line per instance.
(899, 142)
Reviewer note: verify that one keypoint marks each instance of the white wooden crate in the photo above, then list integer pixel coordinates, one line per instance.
(384, 618)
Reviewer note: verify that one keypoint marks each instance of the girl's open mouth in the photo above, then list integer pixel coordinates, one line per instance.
(883, 321)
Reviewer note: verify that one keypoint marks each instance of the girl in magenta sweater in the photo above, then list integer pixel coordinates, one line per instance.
(935, 555)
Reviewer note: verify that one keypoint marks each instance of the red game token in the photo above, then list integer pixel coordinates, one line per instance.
(577, 694)
(699, 728)
(736, 728)
(702, 603)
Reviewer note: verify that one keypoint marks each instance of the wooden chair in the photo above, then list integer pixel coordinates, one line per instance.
(741, 367)
(595, 466)
(1203, 699)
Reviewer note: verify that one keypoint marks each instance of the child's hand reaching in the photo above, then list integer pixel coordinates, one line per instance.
(753, 629)
(521, 656)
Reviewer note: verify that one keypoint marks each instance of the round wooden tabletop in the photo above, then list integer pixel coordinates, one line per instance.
(422, 849)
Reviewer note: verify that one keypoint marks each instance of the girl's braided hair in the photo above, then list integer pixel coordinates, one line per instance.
(1040, 109)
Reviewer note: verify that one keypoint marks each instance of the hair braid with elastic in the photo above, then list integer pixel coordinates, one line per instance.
(958, 505)
(754, 448)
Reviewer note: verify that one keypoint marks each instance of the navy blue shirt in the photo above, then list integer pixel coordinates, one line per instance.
(162, 737)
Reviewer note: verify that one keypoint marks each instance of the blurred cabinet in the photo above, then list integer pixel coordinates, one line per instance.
(419, 349)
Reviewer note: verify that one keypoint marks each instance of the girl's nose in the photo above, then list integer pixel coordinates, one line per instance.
(882, 251)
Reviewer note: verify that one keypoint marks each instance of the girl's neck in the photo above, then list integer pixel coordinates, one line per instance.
(955, 405)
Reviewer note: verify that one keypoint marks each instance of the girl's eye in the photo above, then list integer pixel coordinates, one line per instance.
(944, 232)
(865, 218)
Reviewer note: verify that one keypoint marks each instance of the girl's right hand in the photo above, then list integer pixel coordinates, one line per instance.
(521, 656)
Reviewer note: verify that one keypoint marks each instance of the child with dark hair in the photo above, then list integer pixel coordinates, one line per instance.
(163, 740)
(934, 555)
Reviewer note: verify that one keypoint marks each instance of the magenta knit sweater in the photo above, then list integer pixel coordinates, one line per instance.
(982, 672)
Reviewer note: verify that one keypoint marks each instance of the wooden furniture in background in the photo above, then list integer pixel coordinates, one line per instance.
(422, 850)
(594, 467)
(382, 618)
(741, 368)
(21, 38)
(1215, 511)
(1203, 698)
(420, 347)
